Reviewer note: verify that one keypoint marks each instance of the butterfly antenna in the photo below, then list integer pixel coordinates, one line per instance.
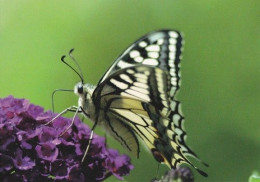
(80, 71)
(53, 93)
(63, 60)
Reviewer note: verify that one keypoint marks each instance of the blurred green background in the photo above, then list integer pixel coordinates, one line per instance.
(220, 91)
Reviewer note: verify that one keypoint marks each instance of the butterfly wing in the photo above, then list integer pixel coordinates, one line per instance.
(160, 49)
(136, 101)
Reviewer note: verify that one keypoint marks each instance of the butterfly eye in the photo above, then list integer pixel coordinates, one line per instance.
(80, 89)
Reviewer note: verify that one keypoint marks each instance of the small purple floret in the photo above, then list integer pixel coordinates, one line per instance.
(31, 151)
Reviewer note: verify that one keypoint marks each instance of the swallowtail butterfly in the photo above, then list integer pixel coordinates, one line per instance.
(135, 98)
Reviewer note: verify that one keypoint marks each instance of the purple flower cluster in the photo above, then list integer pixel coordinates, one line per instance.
(31, 151)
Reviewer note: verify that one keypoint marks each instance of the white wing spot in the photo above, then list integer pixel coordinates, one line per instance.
(172, 55)
(138, 84)
(126, 78)
(172, 71)
(176, 119)
(142, 90)
(169, 133)
(173, 89)
(173, 41)
(172, 48)
(128, 95)
(160, 41)
(173, 105)
(153, 54)
(163, 96)
(141, 80)
(119, 84)
(123, 64)
(147, 73)
(164, 111)
(160, 88)
(175, 146)
(138, 94)
(159, 74)
(165, 122)
(171, 63)
(152, 62)
(153, 48)
(139, 59)
(173, 34)
(173, 81)
(134, 53)
(130, 71)
(140, 75)
(143, 44)
(178, 131)
(164, 102)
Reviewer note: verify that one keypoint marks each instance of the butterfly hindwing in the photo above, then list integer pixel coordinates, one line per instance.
(138, 98)
(122, 132)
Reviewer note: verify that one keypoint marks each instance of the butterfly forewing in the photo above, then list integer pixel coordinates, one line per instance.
(160, 49)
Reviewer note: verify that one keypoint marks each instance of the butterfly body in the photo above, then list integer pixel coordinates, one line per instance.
(136, 99)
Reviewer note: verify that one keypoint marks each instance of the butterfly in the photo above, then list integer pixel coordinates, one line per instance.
(136, 98)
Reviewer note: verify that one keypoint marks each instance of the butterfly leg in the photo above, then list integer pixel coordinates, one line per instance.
(72, 109)
(90, 140)
(72, 122)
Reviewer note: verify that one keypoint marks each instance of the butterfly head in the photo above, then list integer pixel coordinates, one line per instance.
(79, 89)
(81, 92)
(84, 92)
